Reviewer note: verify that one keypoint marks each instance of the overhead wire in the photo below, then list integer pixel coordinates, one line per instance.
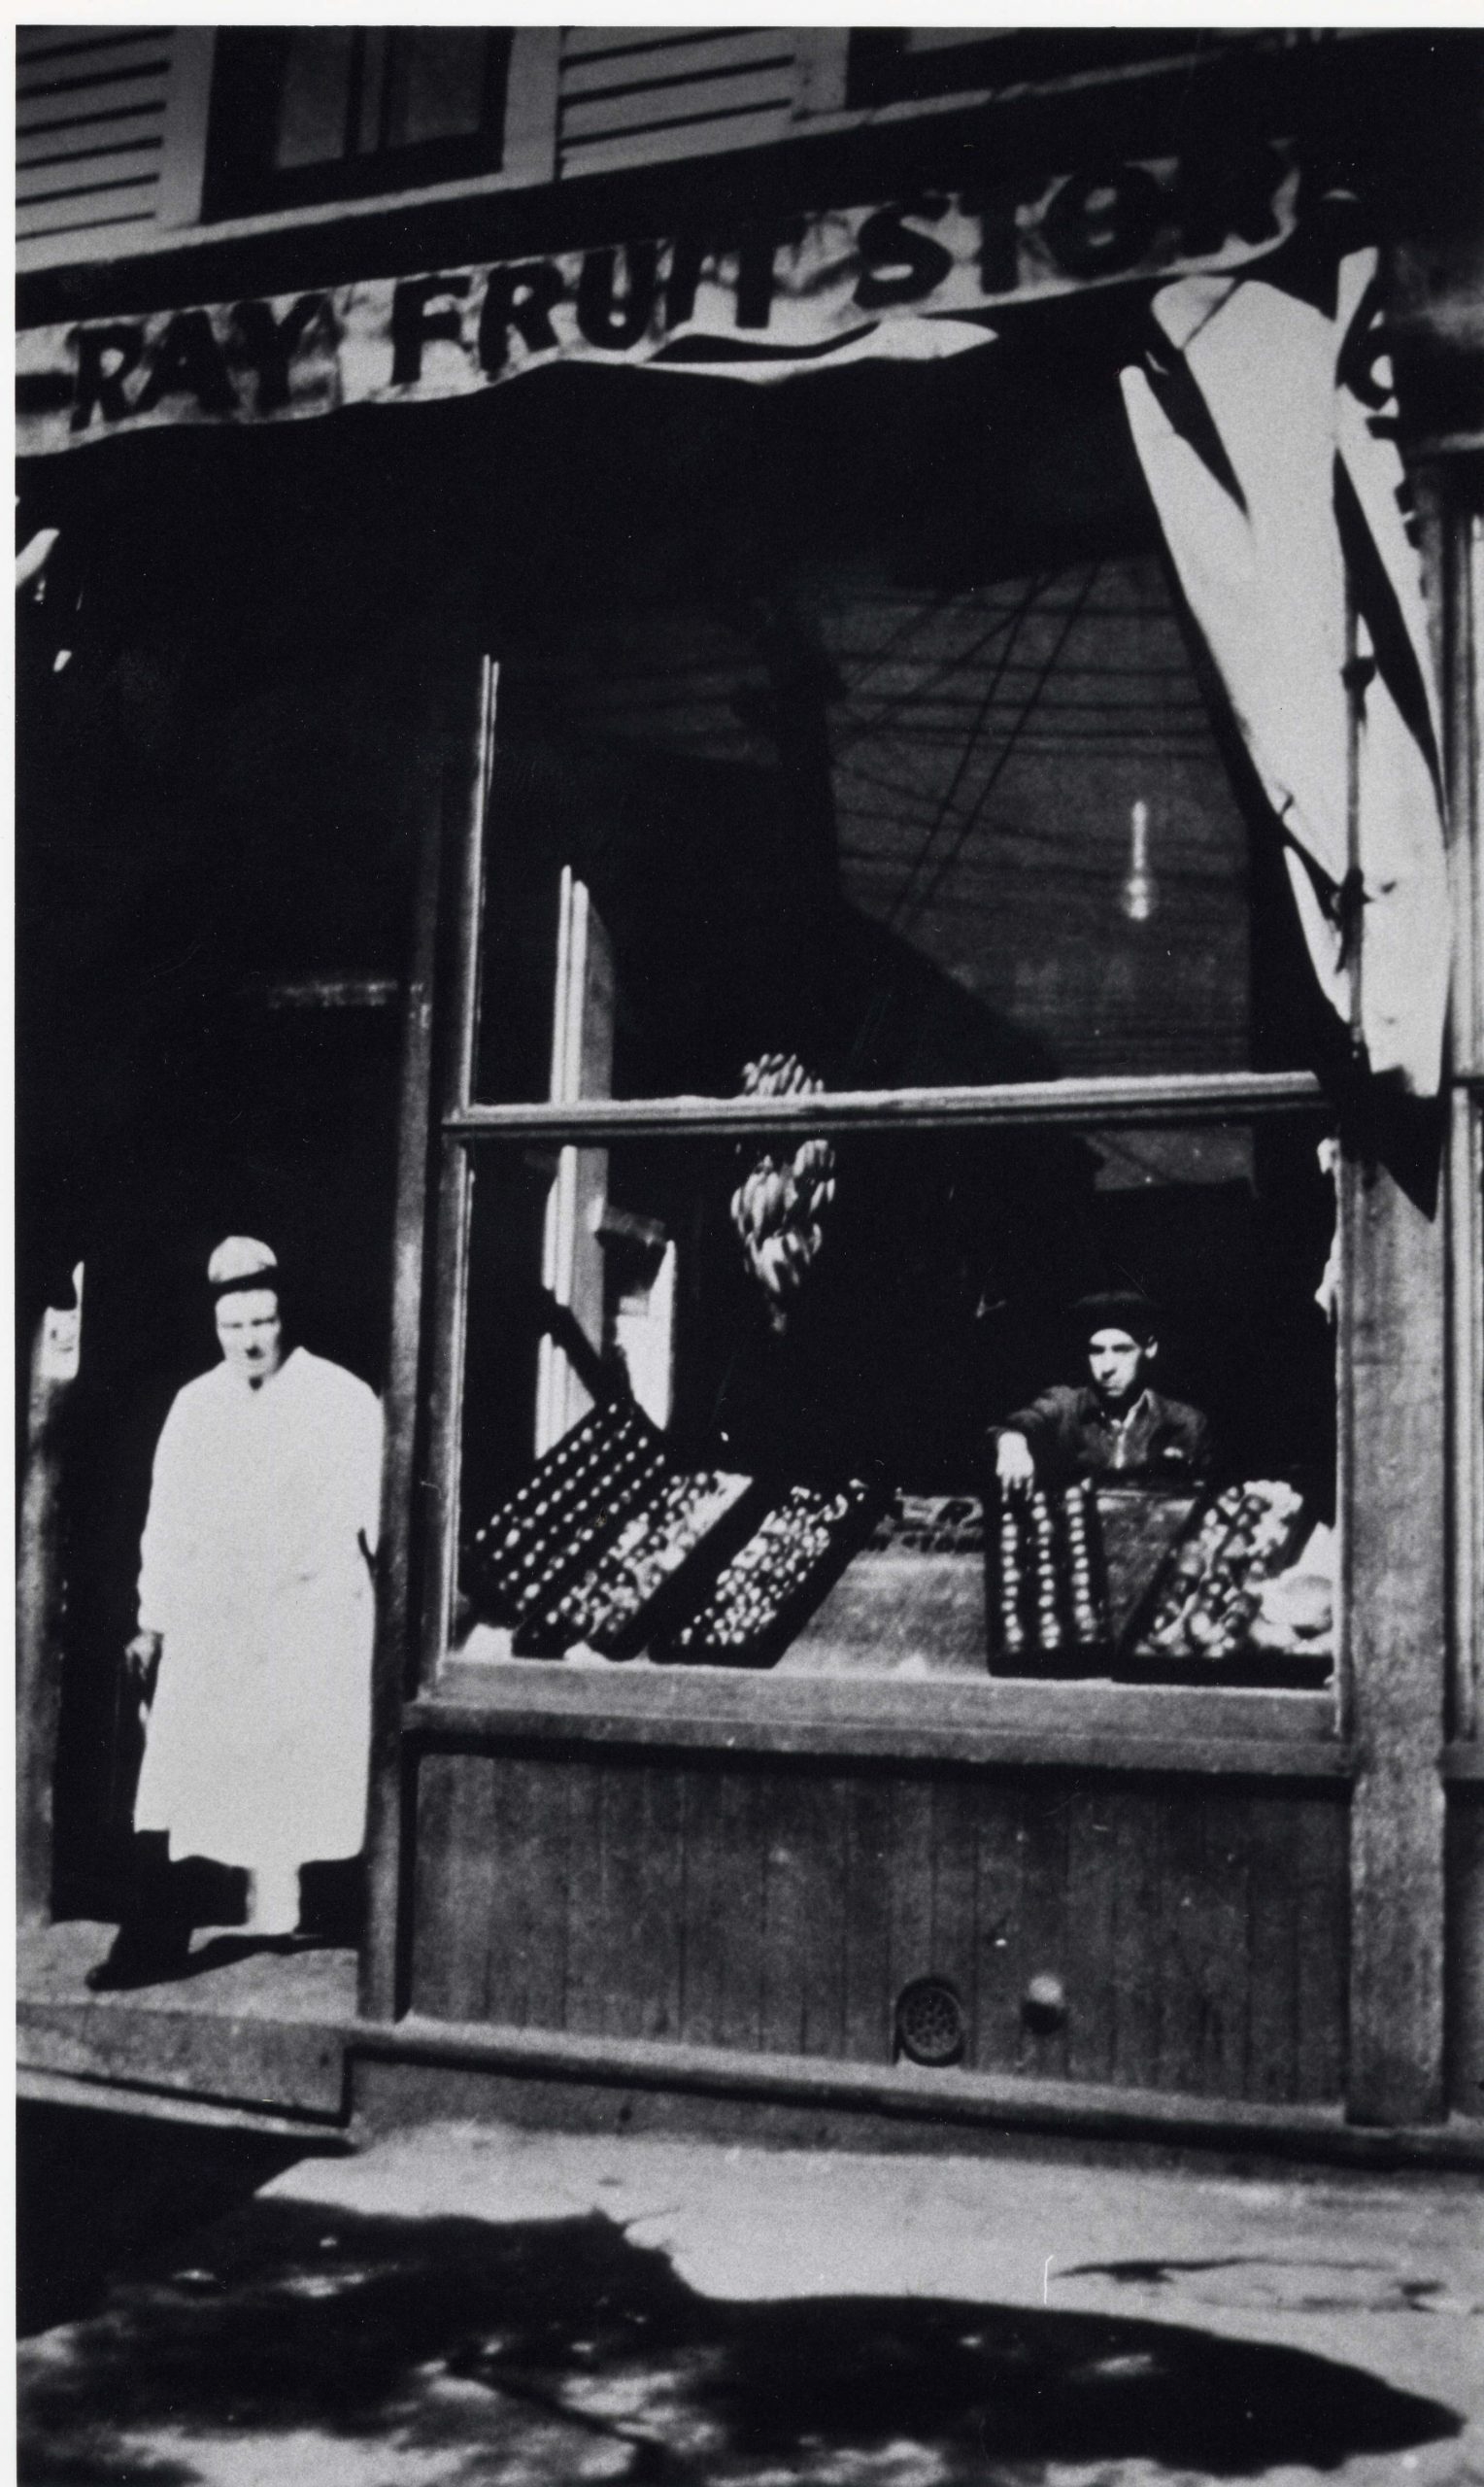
(1007, 753)
(981, 714)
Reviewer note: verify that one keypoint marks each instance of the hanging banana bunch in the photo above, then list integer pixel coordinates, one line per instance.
(778, 1209)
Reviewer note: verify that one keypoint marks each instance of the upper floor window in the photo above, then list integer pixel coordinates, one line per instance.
(309, 112)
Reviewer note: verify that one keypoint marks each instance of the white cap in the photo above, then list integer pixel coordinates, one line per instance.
(240, 1258)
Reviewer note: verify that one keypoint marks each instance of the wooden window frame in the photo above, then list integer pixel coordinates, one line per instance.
(242, 181)
(462, 1129)
(1381, 1731)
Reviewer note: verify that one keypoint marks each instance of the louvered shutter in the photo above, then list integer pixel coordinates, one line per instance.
(90, 130)
(642, 94)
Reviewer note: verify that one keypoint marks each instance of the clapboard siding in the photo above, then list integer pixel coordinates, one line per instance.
(1198, 1929)
(90, 128)
(57, 145)
(635, 94)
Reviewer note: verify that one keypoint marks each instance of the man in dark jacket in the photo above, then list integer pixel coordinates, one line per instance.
(1114, 1427)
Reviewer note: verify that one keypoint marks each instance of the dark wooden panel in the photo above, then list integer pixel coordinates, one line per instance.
(589, 1994)
(868, 1930)
(657, 1905)
(456, 1895)
(1204, 1919)
(1466, 1950)
(1272, 1957)
(1043, 1902)
(527, 1928)
(1322, 1901)
(1225, 1869)
(1001, 1965)
(724, 1904)
(1198, 1931)
(1139, 1866)
(1092, 1893)
(910, 1943)
(637, 1912)
(957, 1806)
(804, 1889)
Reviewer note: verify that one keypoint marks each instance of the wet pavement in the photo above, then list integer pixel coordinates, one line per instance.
(493, 2308)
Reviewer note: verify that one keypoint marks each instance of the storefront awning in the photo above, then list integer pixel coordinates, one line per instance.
(913, 281)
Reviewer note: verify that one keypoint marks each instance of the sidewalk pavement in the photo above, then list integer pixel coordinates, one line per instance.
(478, 2306)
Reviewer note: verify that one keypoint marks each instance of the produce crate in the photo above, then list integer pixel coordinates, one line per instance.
(570, 1509)
(1195, 1619)
(663, 1562)
(1046, 1584)
(776, 1580)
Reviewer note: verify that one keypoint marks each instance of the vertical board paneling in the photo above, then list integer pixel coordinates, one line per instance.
(725, 1908)
(456, 1892)
(526, 1954)
(868, 1879)
(1195, 1902)
(657, 1906)
(1138, 1871)
(911, 1882)
(1091, 2029)
(1272, 1957)
(1044, 1853)
(1001, 1965)
(956, 1809)
(588, 2000)
(1323, 1947)
(803, 1966)
(1223, 1961)
(1198, 1928)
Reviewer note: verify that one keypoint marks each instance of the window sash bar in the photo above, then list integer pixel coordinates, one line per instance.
(1182, 1097)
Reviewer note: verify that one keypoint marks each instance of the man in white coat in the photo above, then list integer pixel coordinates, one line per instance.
(255, 1614)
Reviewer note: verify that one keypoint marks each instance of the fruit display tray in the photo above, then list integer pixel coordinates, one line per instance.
(773, 1584)
(574, 1504)
(1046, 1584)
(662, 1561)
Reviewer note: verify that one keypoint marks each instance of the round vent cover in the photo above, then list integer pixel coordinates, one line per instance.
(929, 2021)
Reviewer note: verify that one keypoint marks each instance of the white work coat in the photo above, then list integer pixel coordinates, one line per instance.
(253, 1574)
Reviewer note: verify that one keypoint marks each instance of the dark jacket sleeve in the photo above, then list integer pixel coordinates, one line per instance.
(1046, 1424)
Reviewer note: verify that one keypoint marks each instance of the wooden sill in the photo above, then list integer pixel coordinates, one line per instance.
(981, 1721)
(994, 2103)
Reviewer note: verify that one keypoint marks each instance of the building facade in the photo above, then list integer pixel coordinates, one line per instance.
(721, 715)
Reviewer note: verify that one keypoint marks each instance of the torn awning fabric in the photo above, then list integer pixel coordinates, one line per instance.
(1263, 423)
(910, 280)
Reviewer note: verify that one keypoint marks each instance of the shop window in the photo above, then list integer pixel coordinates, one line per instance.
(914, 837)
(329, 111)
(737, 1401)
(869, 959)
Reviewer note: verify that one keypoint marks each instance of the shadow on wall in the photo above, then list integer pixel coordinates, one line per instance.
(562, 2350)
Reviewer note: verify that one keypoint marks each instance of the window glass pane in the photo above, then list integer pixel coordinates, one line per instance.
(914, 837)
(742, 1405)
(316, 96)
(438, 84)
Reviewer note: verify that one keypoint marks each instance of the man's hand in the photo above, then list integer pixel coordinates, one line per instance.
(142, 1657)
(1014, 1465)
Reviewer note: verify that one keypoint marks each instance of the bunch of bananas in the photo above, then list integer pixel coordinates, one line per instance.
(778, 1209)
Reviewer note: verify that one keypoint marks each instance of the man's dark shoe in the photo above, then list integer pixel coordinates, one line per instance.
(139, 1957)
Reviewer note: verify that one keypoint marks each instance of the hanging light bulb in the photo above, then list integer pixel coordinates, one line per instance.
(1140, 893)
